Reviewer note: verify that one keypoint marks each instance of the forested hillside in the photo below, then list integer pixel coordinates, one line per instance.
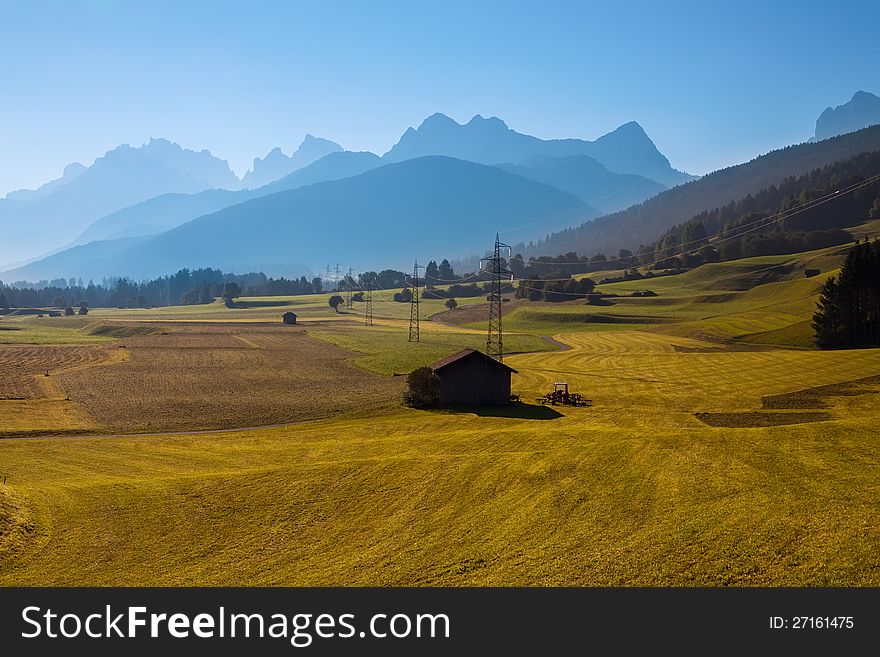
(642, 224)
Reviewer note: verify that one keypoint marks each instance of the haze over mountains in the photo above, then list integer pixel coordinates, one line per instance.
(136, 192)
(368, 217)
(277, 165)
(31, 224)
(153, 209)
(489, 141)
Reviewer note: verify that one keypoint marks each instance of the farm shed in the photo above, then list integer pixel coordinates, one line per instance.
(472, 377)
(289, 318)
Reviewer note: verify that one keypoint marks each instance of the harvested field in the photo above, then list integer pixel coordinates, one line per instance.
(760, 419)
(16, 527)
(215, 376)
(20, 365)
(818, 397)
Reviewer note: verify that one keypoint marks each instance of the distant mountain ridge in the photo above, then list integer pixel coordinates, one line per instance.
(168, 211)
(71, 171)
(489, 141)
(140, 191)
(384, 217)
(862, 110)
(276, 164)
(120, 178)
(584, 177)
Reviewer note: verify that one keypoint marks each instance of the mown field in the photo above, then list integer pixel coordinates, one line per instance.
(718, 450)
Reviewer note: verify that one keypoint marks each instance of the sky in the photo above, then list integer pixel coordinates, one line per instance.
(712, 83)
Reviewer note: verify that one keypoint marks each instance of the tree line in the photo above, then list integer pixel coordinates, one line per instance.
(183, 288)
(848, 310)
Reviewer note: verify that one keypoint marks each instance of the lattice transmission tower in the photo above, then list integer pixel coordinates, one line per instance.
(496, 267)
(368, 302)
(414, 305)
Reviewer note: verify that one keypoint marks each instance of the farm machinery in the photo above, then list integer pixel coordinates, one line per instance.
(561, 395)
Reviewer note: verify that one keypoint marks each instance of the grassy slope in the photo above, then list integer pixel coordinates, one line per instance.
(633, 490)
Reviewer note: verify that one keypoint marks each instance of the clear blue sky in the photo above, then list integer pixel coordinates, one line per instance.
(712, 83)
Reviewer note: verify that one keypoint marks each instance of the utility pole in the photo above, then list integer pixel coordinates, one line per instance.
(368, 303)
(348, 290)
(414, 305)
(496, 267)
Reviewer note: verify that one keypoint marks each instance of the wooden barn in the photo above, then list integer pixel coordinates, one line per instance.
(289, 318)
(472, 377)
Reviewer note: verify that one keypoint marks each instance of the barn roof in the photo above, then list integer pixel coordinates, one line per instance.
(463, 354)
(288, 313)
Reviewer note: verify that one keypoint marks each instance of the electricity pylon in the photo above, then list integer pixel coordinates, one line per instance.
(368, 303)
(497, 269)
(414, 305)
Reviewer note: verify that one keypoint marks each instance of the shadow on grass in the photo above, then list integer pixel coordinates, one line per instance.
(515, 410)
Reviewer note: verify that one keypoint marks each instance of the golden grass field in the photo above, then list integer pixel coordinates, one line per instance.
(718, 449)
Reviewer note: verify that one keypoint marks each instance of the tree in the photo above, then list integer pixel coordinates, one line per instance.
(69, 311)
(848, 312)
(335, 301)
(445, 272)
(231, 290)
(693, 236)
(432, 273)
(452, 304)
(423, 389)
(3, 302)
(83, 310)
(317, 284)
(205, 295)
(404, 296)
(826, 319)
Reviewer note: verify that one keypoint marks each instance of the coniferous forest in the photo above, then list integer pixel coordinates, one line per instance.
(848, 313)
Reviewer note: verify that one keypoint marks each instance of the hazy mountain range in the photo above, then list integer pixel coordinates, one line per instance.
(373, 218)
(277, 165)
(444, 185)
(861, 111)
(489, 141)
(135, 192)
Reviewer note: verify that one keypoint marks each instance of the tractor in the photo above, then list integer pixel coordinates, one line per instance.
(561, 395)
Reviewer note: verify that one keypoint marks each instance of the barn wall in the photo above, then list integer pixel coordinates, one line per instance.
(474, 382)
